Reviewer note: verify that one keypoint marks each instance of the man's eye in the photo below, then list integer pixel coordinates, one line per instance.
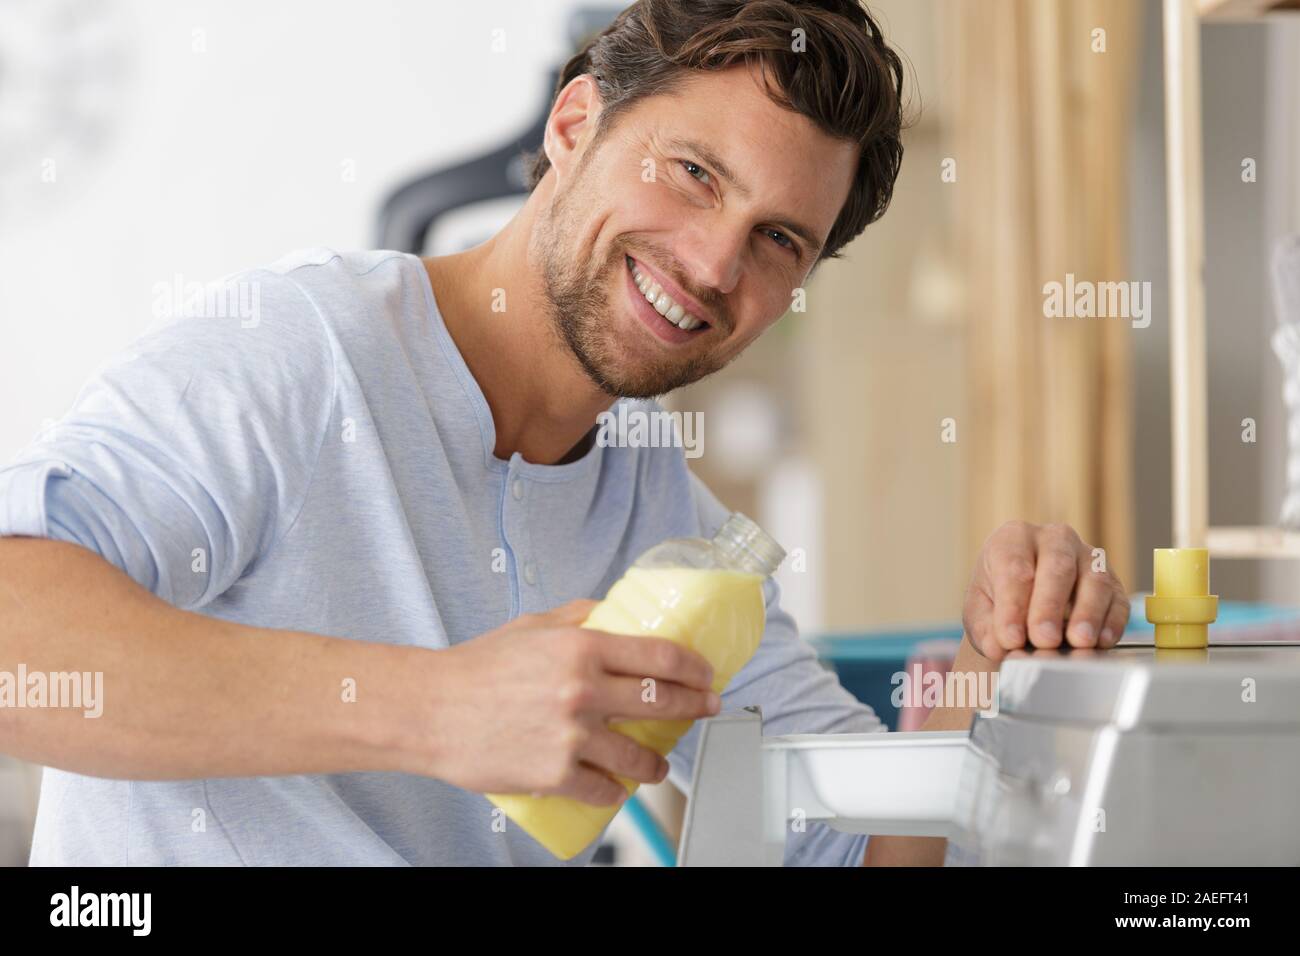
(781, 238)
(696, 171)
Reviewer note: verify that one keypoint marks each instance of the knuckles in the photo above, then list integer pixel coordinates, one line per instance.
(1015, 529)
(1059, 564)
(1058, 531)
(577, 646)
(574, 695)
(636, 758)
(1020, 571)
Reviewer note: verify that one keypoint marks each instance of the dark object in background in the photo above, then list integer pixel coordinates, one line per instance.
(409, 214)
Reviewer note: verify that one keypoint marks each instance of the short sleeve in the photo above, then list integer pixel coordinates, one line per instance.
(797, 694)
(184, 459)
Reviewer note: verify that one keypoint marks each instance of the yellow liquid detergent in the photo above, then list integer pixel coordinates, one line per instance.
(718, 613)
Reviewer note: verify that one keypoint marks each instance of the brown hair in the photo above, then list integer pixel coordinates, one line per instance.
(845, 79)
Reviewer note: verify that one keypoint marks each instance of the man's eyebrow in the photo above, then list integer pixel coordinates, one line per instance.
(712, 160)
(719, 166)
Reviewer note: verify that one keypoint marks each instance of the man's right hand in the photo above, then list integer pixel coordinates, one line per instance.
(525, 708)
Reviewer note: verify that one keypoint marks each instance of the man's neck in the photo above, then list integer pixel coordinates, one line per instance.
(543, 405)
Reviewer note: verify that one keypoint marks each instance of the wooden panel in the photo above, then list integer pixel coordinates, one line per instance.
(1186, 271)
(1253, 542)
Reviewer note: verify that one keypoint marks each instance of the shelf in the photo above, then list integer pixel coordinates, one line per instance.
(1185, 204)
(1253, 542)
(1243, 9)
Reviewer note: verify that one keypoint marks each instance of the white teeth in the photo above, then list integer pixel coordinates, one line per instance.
(663, 303)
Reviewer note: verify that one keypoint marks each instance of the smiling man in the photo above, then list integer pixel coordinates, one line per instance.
(332, 562)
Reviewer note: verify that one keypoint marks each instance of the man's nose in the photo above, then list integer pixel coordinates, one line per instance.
(713, 258)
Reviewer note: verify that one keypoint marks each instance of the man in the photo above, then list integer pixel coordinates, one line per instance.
(385, 496)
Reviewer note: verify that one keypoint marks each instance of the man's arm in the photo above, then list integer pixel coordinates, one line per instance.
(186, 695)
(522, 708)
(930, 851)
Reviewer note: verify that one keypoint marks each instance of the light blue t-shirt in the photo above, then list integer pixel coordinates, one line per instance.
(321, 459)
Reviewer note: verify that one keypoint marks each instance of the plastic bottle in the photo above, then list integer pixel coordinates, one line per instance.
(704, 594)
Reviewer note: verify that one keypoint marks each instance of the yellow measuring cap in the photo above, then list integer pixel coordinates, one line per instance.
(1182, 606)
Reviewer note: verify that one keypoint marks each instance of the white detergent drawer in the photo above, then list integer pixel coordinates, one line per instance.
(891, 784)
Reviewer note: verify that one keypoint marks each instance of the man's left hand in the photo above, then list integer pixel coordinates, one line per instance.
(1039, 585)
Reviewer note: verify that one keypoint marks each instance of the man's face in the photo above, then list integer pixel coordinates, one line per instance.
(716, 201)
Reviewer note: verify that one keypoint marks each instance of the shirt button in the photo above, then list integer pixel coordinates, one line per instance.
(530, 573)
(517, 489)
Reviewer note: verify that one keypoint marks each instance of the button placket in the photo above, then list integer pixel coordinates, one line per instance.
(527, 567)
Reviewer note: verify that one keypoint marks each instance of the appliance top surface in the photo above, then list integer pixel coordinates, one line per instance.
(1219, 687)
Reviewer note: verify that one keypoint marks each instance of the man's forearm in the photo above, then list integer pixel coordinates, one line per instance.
(185, 695)
(930, 851)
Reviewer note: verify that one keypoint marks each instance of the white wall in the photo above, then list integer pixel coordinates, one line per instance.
(226, 159)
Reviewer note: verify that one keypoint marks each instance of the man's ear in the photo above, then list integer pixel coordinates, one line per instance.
(571, 123)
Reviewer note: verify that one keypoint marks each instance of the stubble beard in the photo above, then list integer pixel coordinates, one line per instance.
(579, 309)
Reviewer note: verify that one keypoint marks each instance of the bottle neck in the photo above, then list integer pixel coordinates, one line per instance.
(743, 546)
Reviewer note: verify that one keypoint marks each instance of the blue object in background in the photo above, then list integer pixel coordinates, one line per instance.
(651, 832)
(1231, 614)
(866, 663)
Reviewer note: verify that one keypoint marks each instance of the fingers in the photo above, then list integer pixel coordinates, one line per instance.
(646, 698)
(1035, 586)
(591, 785)
(599, 755)
(977, 619)
(566, 615)
(571, 614)
(656, 658)
(1116, 618)
(1054, 580)
(619, 754)
(1010, 555)
(1094, 594)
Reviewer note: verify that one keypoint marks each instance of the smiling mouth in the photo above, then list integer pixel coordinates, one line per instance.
(672, 312)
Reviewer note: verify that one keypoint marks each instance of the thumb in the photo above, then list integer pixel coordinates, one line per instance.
(571, 614)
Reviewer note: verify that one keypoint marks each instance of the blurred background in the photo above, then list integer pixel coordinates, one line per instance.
(920, 400)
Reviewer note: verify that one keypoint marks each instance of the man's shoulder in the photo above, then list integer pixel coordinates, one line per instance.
(324, 274)
(299, 290)
(355, 294)
(325, 262)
